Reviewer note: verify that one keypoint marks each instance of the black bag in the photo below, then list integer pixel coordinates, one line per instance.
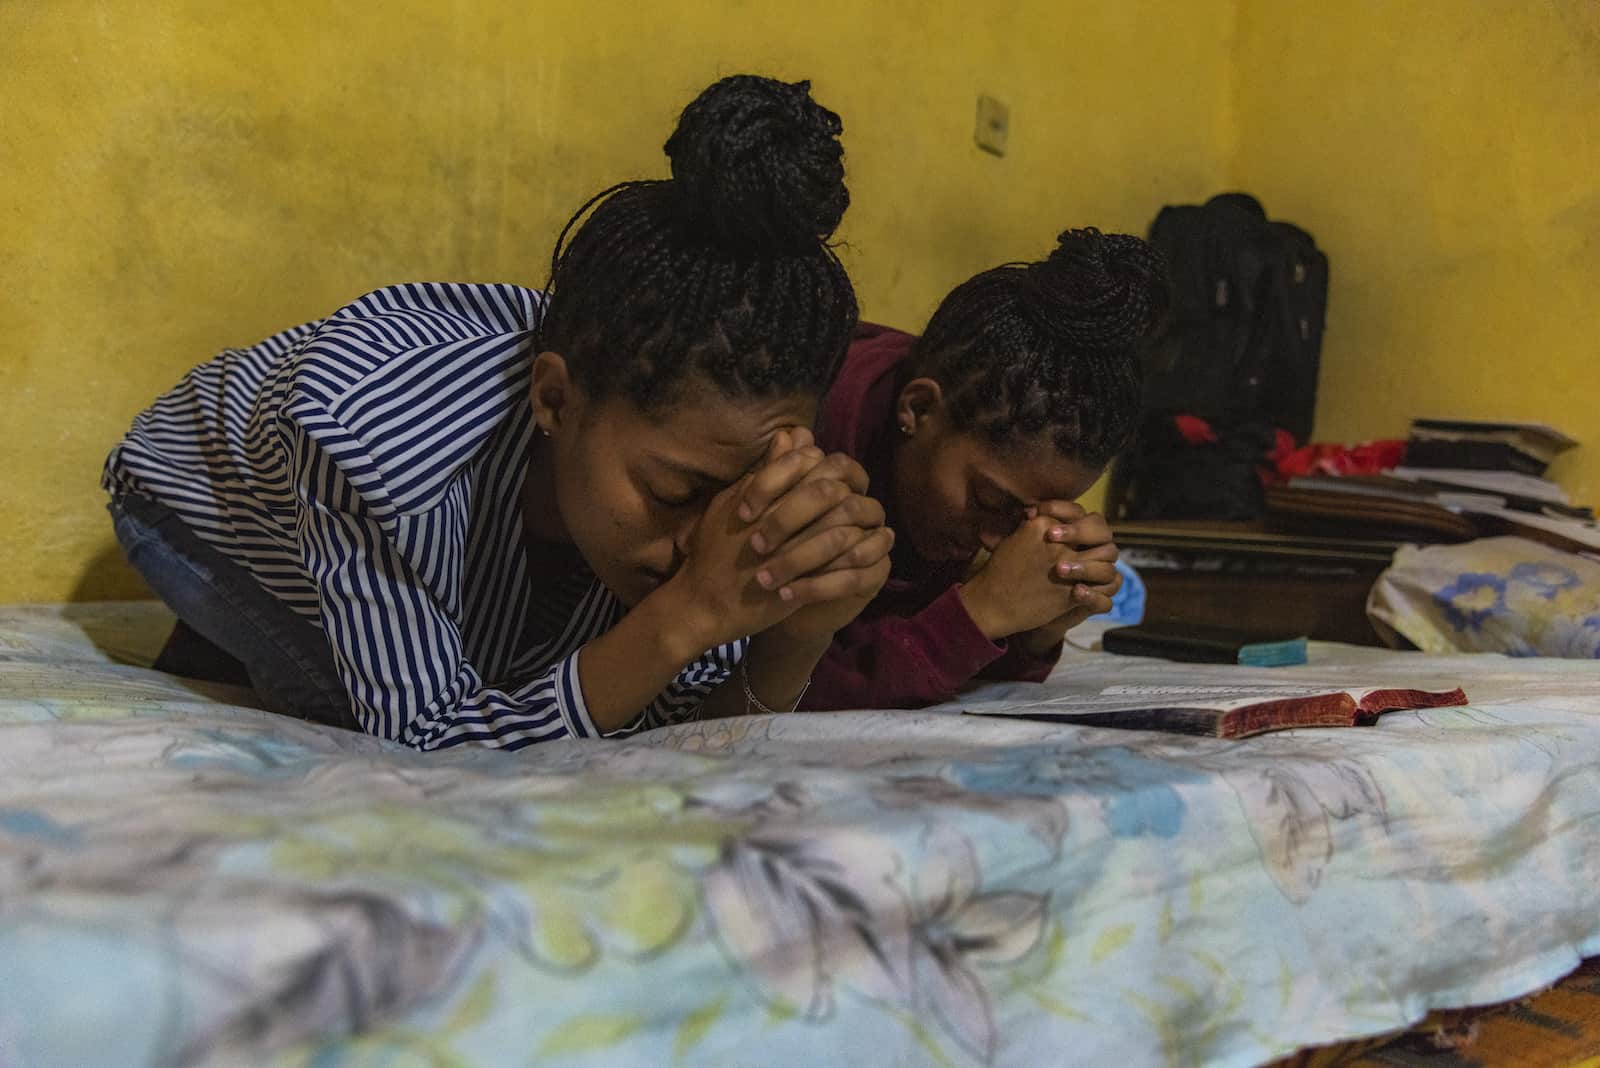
(1241, 352)
(1164, 476)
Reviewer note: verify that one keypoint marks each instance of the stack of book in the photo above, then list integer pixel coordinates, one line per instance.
(1468, 445)
(1461, 479)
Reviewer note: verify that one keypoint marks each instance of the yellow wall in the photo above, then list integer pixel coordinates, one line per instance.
(184, 176)
(1446, 153)
(180, 177)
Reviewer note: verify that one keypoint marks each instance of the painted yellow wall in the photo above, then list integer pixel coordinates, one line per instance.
(1446, 153)
(183, 176)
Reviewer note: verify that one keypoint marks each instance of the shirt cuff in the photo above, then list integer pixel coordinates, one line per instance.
(569, 699)
(956, 647)
(1033, 667)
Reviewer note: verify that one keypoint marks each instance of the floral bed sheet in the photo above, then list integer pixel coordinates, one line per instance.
(185, 879)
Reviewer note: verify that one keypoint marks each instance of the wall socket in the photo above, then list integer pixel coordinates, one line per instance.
(994, 125)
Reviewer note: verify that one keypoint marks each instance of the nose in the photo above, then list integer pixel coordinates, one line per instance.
(682, 537)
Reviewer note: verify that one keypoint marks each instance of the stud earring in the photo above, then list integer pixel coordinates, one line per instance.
(905, 428)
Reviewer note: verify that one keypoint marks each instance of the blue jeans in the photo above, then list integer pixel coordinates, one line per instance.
(229, 628)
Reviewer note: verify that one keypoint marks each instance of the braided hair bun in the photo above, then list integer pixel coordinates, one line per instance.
(721, 275)
(1051, 349)
(758, 165)
(1099, 292)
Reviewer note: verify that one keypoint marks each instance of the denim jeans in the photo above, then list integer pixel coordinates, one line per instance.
(228, 625)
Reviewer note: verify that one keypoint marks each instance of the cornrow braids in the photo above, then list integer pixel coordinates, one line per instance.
(1052, 347)
(723, 271)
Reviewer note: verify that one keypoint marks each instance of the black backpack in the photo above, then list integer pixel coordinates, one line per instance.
(1241, 352)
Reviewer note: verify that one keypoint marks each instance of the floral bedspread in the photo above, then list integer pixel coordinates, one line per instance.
(186, 879)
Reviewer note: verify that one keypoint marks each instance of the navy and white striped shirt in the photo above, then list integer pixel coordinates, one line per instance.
(366, 470)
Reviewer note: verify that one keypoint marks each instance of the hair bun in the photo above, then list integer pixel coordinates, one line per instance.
(758, 165)
(1101, 291)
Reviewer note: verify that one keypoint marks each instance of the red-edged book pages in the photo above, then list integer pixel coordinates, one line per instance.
(1227, 712)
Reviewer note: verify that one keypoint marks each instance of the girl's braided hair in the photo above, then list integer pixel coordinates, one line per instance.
(722, 272)
(1051, 347)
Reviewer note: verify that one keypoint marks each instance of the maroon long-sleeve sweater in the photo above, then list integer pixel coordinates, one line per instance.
(915, 644)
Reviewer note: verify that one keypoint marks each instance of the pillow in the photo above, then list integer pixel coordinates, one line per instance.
(1496, 595)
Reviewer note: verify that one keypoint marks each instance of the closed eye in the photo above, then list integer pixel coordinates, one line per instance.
(992, 500)
(688, 485)
(676, 500)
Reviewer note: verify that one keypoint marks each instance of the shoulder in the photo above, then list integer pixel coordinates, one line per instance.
(406, 331)
(415, 379)
(877, 332)
(446, 309)
(859, 402)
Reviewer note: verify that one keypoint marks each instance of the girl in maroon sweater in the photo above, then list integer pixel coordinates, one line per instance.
(978, 438)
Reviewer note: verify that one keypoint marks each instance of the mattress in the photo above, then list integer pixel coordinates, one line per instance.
(187, 879)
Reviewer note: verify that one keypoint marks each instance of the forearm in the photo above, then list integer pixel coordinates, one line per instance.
(778, 668)
(891, 661)
(1043, 642)
(1024, 662)
(625, 669)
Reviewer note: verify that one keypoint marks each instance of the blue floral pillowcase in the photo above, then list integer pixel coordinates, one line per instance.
(1494, 595)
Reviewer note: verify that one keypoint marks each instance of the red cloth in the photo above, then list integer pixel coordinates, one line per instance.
(1195, 430)
(1368, 458)
(914, 644)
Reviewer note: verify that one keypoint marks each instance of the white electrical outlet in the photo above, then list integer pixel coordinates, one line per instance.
(994, 124)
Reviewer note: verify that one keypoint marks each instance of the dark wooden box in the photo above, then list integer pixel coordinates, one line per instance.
(1243, 575)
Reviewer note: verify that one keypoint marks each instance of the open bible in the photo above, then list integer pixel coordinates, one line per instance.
(1226, 711)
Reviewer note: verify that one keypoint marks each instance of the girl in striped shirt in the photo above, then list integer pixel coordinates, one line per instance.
(454, 514)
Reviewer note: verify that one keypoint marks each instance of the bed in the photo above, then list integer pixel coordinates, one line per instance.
(186, 879)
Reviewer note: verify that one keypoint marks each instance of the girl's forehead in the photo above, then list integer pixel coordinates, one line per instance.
(1032, 473)
(715, 435)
